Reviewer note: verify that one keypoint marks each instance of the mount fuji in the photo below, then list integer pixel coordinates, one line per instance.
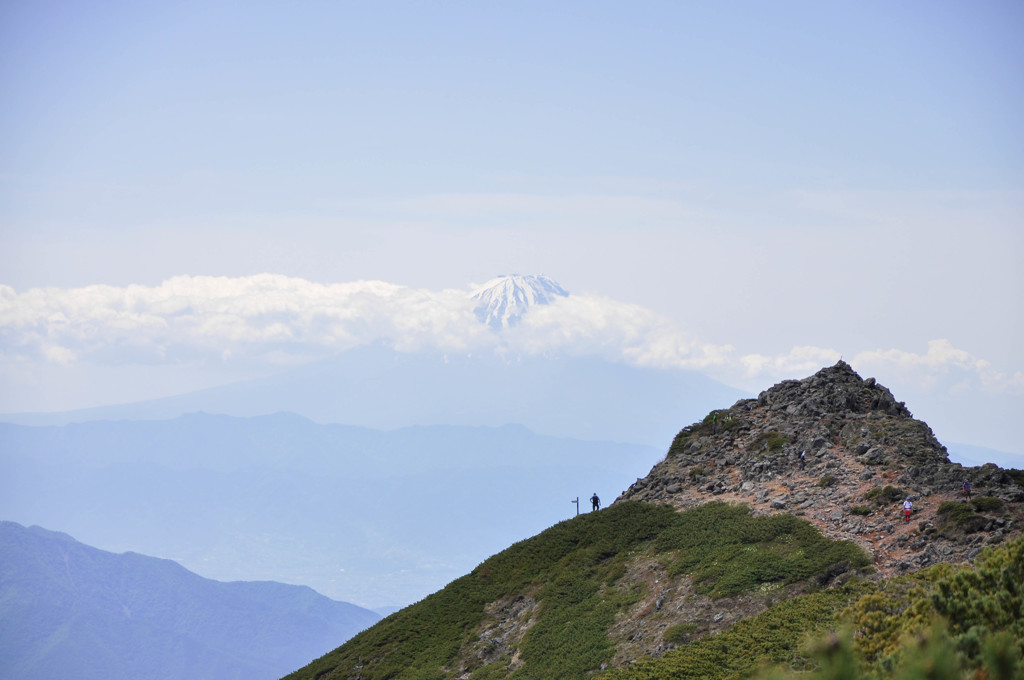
(503, 300)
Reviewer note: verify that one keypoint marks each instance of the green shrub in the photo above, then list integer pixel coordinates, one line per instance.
(827, 481)
(678, 633)
(985, 599)
(956, 510)
(942, 623)
(772, 439)
(861, 510)
(729, 551)
(1016, 475)
(962, 515)
(774, 636)
(704, 427)
(679, 443)
(697, 472)
(886, 494)
(987, 503)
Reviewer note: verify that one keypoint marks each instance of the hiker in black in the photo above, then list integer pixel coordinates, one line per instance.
(803, 459)
(595, 502)
(967, 489)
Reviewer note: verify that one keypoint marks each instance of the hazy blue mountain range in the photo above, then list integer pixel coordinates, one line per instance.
(377, 387)
(68, 610)
(366, 516)
(968, 454)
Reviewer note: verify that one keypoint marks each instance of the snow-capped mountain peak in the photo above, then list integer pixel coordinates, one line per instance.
(503, 300)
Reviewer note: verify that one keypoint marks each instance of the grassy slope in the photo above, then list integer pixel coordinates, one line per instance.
(773, 637)
(723, 547)
(944, 622)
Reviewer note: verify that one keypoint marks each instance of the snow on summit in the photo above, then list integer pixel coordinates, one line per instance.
(501, 301)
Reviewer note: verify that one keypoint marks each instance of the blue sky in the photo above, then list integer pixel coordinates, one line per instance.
(773, 184)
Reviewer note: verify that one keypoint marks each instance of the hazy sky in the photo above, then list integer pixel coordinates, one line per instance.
(748, 188)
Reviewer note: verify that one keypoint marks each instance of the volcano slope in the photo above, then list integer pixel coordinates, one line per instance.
(728, 555)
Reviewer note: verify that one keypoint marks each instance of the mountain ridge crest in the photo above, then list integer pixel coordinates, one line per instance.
(864, 454)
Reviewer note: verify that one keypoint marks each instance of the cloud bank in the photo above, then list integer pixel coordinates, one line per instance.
(266, 316)
(287, 320)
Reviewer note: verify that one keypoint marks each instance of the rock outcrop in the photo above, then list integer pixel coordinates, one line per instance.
(864, 453)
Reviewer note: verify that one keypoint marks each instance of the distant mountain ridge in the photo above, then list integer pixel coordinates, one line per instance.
(368, 516)
(68, 610)
(378, 387)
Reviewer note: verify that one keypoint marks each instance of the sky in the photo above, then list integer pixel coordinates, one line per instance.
(194, 193)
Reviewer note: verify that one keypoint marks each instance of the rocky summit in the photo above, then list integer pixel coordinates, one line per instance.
(863, 455)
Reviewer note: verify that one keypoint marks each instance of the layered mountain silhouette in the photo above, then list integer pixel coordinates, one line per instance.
(378, 387)
(69, 610)
(730, 553)
(375, 517)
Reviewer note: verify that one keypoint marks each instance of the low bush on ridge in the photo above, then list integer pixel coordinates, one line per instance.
(987, 504)
(945, 622)
(883, 495)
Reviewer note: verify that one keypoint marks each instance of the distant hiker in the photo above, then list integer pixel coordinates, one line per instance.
(595, 502)
(803, 459)
(714, 423)
(907, 507)
(967, 489)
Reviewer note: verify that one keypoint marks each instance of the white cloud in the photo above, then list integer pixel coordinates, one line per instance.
(942, 364)
(228, 317)
(594, 325)
(798, 361)
(58, 355)
(278, 319)
(941, 367)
